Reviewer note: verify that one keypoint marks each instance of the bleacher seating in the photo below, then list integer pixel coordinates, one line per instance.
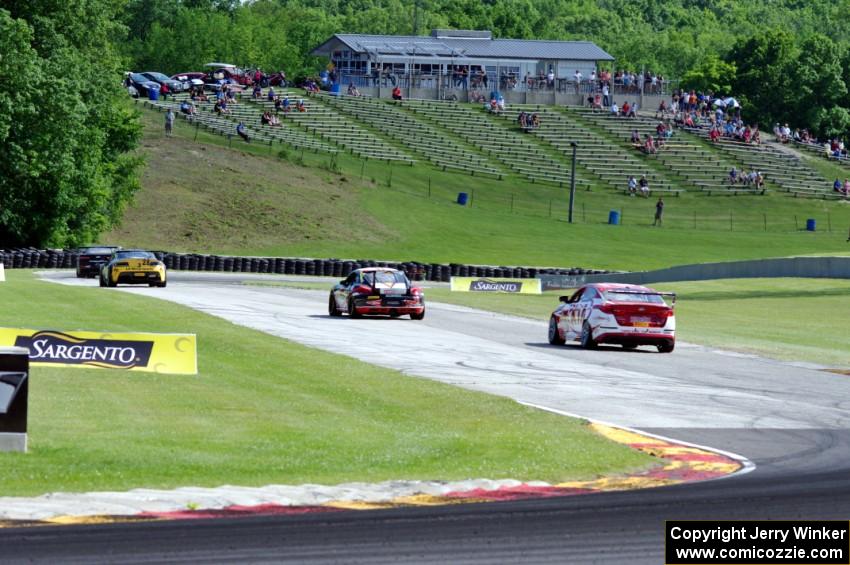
(521, 153)
(783, 169)
(416, 134)
(696, 165)
(336, 128)
(609, 162)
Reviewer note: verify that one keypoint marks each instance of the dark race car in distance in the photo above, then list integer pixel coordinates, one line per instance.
(139, 85)
(624, 314)
(377, 291)
(91, 259)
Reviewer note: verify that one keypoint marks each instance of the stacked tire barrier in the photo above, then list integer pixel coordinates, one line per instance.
(339, 268)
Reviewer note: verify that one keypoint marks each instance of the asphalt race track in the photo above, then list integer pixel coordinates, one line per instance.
(791, 420)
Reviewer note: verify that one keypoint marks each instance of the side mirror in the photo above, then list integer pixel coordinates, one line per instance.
(564, 298)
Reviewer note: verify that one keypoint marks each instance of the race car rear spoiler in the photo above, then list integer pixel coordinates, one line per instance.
(647, 292)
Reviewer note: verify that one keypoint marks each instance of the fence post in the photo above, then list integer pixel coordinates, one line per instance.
(390, 179)
(621, 217)
(471, 197)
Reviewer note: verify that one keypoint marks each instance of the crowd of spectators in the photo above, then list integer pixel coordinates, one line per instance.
(528, 120)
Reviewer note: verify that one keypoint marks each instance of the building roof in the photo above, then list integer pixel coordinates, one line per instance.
(460, 44)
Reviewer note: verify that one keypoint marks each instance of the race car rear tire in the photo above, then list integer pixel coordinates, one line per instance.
(420, 316)
(101, 281)
(352, 310)
(333, 310)
(554, 335)
(666, 347)
(109, 281)
(163, 284)
(587, 337)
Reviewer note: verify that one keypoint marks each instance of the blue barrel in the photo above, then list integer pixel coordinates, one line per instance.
(810, 224)
(153, 93)
(462, 198)
(614, 217)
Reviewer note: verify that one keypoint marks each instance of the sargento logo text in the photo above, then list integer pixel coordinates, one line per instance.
(487, 285)
(57, 347)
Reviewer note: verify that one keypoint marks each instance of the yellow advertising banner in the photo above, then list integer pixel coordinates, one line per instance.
(174, 354)
(486, 284)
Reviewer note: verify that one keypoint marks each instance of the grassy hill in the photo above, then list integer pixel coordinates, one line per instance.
(201, 195)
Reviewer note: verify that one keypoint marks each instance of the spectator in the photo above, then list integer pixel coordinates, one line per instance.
(163, 91)
(615, 111)
(257, 91)
(522, 119)
(626, 108)
(397, 94)
(188, 107)
(278, 104)
(636, 141)
(550, 78)
(230, 95)
(644, 186)
(837, 186)
(632, 185)
(169, 122)
(577, 77)
(300, 105)
(352, 90)
(733, 175)
(659, 212)
(846, 187)
(632, 113)
(649, 145)
(258, 77)
(597, 102)
(240, 129)
(266, 118)
(662, 110)
(606, 99)
(287, 106)
(714, 134)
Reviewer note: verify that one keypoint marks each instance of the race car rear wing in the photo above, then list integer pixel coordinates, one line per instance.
(647, 293)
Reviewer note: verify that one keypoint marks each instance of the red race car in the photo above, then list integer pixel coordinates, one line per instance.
(377, 291)
(624, 314)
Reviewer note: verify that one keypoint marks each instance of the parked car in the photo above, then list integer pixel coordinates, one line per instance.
(133, 266)
(92, 258)
(159, 78)
(624, 314)
(228, 73)
(139, 85)
(377, 291)
(190, 79)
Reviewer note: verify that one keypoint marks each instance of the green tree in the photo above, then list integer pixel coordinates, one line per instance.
(711, 74)
(66, 132)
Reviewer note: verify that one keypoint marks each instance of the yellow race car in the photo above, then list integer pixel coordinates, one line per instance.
(133, 266)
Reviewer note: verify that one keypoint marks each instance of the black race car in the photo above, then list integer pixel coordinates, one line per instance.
(91, 259)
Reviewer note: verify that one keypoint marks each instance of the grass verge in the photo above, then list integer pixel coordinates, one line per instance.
(261, 411)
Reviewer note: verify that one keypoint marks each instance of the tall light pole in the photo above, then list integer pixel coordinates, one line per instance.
(574, 145)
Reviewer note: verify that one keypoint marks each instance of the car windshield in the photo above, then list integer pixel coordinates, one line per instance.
(384, 277)
(139, 78)
(157, 76)
(648, 297)
(97, 250)
(135, 255)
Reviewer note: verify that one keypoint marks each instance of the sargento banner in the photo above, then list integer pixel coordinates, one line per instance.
(477, 284)
(156, 353)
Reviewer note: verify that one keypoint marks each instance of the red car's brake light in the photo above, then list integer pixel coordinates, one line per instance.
(607, 308)
(362, 289)
(416, 291)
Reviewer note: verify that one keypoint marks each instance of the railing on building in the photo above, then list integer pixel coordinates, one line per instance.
(456, 81)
